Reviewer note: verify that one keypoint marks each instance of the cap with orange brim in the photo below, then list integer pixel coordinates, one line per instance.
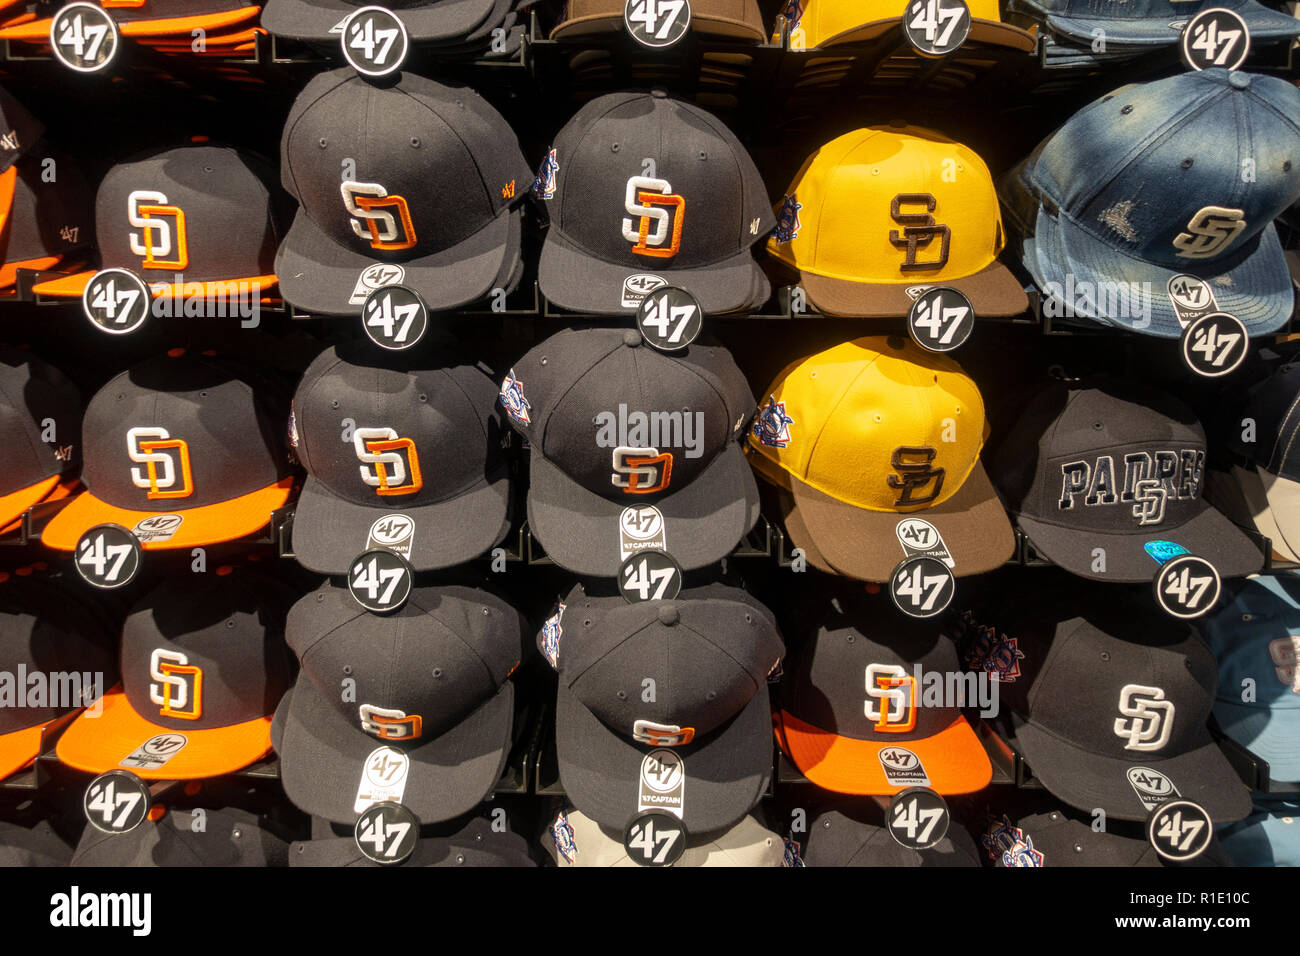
(203, 665)
(32, 396)
(154, 18)
(867, 709)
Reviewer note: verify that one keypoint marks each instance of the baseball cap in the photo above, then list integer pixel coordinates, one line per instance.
(574, 839)
(433, 20)
(876, 441)
(38, 845)
(423, 455)
(34, 395)
(48, 222)
(474, 844)
(182, 436)
(203, 665)
(1145, 185)
(734, 19)
(1152, 22)
(436, 181)
(1271, 405)
(825, 23)
(1056, 839)
(873, 219)
(1256, 637)
(185, 219)
(840, 839)
(645, 190)
(19, 132)
(50, 639)
(853, 716)
(171, 837)
(1270, 836)
(1118, 466)
(632, 447)
(1108, 703)
(428, 682)
(700, 748)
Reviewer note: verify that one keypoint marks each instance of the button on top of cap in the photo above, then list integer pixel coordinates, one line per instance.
(1239, 80)
(631, 338)
(659, 93)
(669, 615)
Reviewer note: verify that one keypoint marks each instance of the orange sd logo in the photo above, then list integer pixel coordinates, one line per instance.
(160, 241)
(387, 218)
(657, 209)
(891, 698)
(641, 471)
(661, 735)
(390, 724)
(395, 462)
(177, 686)
(166, 463)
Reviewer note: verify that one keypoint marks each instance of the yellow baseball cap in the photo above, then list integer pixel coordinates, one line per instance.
(879, 215)
(823, 23)
(876, 444)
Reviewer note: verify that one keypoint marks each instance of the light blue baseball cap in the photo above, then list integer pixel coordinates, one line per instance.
(1151, 23)
(1270, 836)
(1256, 639)
(1180, 176)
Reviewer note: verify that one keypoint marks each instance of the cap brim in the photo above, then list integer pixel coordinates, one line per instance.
(328, 532)
(322, 757)
(19, 748)
(725, 772)
(315, 19)
(73, 286)
(991, 291)
(982, 31)
(705, 25)
(1273, 734)
(99, 744)
(703, 521)
(575, 280)
(1086, 780)
(864, 544)
(953, 758)
(1263, 23)
(1255, 286)
(15, 503)
(1283, 512)
(1242, 498)
(1209, 535)
(319, 276)
(210, 524)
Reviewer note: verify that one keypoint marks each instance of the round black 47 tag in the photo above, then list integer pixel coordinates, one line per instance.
(922, 586)
(657, 23)
(395, 317)
(669, 318)
(1215, 37)
(941, 319)
(107, 556)
(936, 27)
(375, 41)
(649, 576)
(1187, 587)
(1215, 344)
(116, 301)
(917, 818)
(84, 37)
(387, 833)
(115, 802)
(1179, 830)
(655, 838)
(380, 580)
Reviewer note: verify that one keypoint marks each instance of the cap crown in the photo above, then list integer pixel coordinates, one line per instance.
(49, 218)
(876, 422)
(1257, 637)
(891, 205)
(1155, 170)
(1273, 407)
(32, 394)
(823, 19)
(399, 172)
(644, 180)
(19, 130)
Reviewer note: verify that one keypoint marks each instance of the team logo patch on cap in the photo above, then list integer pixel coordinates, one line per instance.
(551, 634)
(390, 724)
(791, 857)
(661, 216)
(373, 277)
(1285, 654)
(1148, 718)
(161, 242)
(562, 834)
(903, 768)
(544, 184)
(1022, 853)
(512, 398)
(166, 460)
(772, 424)
(1151, 786)
(178, 685)
(994, 653)
(1000, 836)
(639, 285)
(661, 735)
(1148, 481)
(787, 220)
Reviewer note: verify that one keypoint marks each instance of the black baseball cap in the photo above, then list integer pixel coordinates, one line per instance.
(838, 838)
(203, 665)
(706, 729)
(421, 470)
(1272, 406)
(1117, 466)
(445, 21)
(620, 433)
(192, 220)
(1054, 838)
(32, 396)
(19, 132)
(429, 681)
(49, 222)
(38, 845)
(181, 451)
(1109, 702)
(415, 183)
(475, 844)
(646, 190)
(175, 837)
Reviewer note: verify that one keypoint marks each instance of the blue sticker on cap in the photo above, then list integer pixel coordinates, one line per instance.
(1162, 551)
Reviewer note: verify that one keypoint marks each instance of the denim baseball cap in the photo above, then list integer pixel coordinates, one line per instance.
(1257, 638)
(1180, 176)
(1152, 22)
